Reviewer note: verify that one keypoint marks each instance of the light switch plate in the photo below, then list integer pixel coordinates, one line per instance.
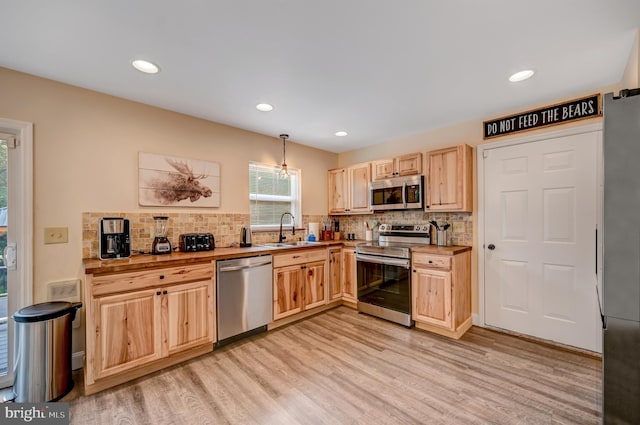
(458, 227)
(56, 235)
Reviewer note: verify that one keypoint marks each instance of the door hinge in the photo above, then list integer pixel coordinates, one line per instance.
(485, 154)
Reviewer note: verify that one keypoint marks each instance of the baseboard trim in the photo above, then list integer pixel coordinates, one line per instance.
(77, 360)
(475, 319)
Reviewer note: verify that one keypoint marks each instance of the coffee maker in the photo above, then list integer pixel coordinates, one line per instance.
(114, 238)
(161, 244)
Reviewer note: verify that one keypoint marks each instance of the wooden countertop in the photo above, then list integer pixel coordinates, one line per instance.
(137, 262)
(441, 250)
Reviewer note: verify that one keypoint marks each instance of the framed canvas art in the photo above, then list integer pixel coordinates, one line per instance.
(179, 182)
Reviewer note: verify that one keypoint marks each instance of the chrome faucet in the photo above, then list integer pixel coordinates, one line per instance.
(281, 237)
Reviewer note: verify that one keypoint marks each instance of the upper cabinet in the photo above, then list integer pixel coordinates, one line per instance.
(449, 184)
(349, 189)
(404, 165)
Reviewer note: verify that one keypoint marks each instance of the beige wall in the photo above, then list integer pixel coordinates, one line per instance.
(631, 75)
(86, 148)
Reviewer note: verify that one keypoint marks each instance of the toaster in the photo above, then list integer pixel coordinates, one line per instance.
(194, 242)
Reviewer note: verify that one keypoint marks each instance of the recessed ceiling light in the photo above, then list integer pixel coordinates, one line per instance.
(521, 76)
(341, 133)
(145, 66)
(264, 107)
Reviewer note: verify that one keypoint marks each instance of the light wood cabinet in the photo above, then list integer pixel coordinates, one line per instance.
(441, 291)
(349, 275)
(314, 293)
(449, 179)
(128, 331)
(189, 315)
(335, 273)
(348, 189)
(404, 165)
(287, 291)
(299, 282)
(142, 321)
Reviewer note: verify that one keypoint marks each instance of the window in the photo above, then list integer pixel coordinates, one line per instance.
(270, 196)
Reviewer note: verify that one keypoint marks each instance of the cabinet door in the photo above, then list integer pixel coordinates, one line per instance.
(189, 313)
(431, 297)
(359, 179)
(127, 328)
(287, 291)
(410, 164)
(338, 190)
(383, 169)
(315, 284)
(335, 274)
(449, 179)
(349, 275)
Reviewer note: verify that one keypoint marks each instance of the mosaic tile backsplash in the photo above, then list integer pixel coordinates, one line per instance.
(227, 227)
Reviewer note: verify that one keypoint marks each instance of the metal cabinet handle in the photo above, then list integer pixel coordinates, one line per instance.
(491, 246)
(161, 276)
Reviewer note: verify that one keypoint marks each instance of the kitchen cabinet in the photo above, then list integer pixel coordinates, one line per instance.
(335, 274)
(299, 282)
(349, 275)
(404, 165)
(441, 291)
(449, 179)
(142, 321)
(348, 189)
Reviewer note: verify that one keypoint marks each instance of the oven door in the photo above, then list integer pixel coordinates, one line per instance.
(384, 282)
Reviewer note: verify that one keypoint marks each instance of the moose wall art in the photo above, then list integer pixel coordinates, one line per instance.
(171, 181)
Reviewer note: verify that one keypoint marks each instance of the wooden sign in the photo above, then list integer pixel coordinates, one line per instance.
(575, 110)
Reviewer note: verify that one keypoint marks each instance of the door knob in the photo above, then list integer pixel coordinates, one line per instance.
(491, 246)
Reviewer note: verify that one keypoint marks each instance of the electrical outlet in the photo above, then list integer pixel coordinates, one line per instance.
(68, 290)
(458, 227)
(56, 235)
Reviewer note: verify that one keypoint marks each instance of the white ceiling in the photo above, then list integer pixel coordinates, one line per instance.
(379, 69)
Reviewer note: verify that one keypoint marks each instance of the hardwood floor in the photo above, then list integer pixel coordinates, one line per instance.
(343, 367)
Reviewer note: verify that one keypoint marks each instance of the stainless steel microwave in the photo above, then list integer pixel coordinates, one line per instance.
(398, 193)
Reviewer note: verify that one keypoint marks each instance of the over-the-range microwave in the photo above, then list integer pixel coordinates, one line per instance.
(398, 193)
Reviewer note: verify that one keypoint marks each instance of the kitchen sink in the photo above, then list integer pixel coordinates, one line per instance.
(288, 244)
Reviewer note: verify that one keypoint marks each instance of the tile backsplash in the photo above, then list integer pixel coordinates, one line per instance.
(226, 227)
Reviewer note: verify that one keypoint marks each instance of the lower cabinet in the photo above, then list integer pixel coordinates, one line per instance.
(299, 282)
(349, 275)
(142, 321)
(441, 291)
(189, 313)
(335, 274)
(128, 331)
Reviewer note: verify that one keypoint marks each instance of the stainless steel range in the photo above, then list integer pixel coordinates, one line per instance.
(384, 275)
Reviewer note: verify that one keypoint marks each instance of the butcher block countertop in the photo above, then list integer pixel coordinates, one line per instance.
(441, 250)
(96, 266)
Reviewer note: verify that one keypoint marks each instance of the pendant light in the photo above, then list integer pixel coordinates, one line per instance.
(284, 172)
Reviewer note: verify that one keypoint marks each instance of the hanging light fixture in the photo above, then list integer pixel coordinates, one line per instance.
(284, 172)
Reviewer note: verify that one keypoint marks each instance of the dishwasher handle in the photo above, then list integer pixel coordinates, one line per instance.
(248, 266)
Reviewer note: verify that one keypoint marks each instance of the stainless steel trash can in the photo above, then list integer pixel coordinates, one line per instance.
(43, 351)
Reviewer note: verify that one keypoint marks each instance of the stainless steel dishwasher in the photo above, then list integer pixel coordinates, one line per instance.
(245, 296)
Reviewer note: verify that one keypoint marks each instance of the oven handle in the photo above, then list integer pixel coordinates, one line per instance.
(400, 262)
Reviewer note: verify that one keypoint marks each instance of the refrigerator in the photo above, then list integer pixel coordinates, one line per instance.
(621, 259)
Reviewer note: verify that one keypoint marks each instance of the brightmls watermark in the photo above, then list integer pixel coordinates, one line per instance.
(35, 413)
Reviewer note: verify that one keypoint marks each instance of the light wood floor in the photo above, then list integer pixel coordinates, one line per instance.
(341, 367)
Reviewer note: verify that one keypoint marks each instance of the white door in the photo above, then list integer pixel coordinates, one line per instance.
(540, 216)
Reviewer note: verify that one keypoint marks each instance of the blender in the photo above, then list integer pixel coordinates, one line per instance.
(161, 244)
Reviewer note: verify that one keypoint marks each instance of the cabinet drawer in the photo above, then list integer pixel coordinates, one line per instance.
(299, 257)
(431, 261)
(123, 282)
